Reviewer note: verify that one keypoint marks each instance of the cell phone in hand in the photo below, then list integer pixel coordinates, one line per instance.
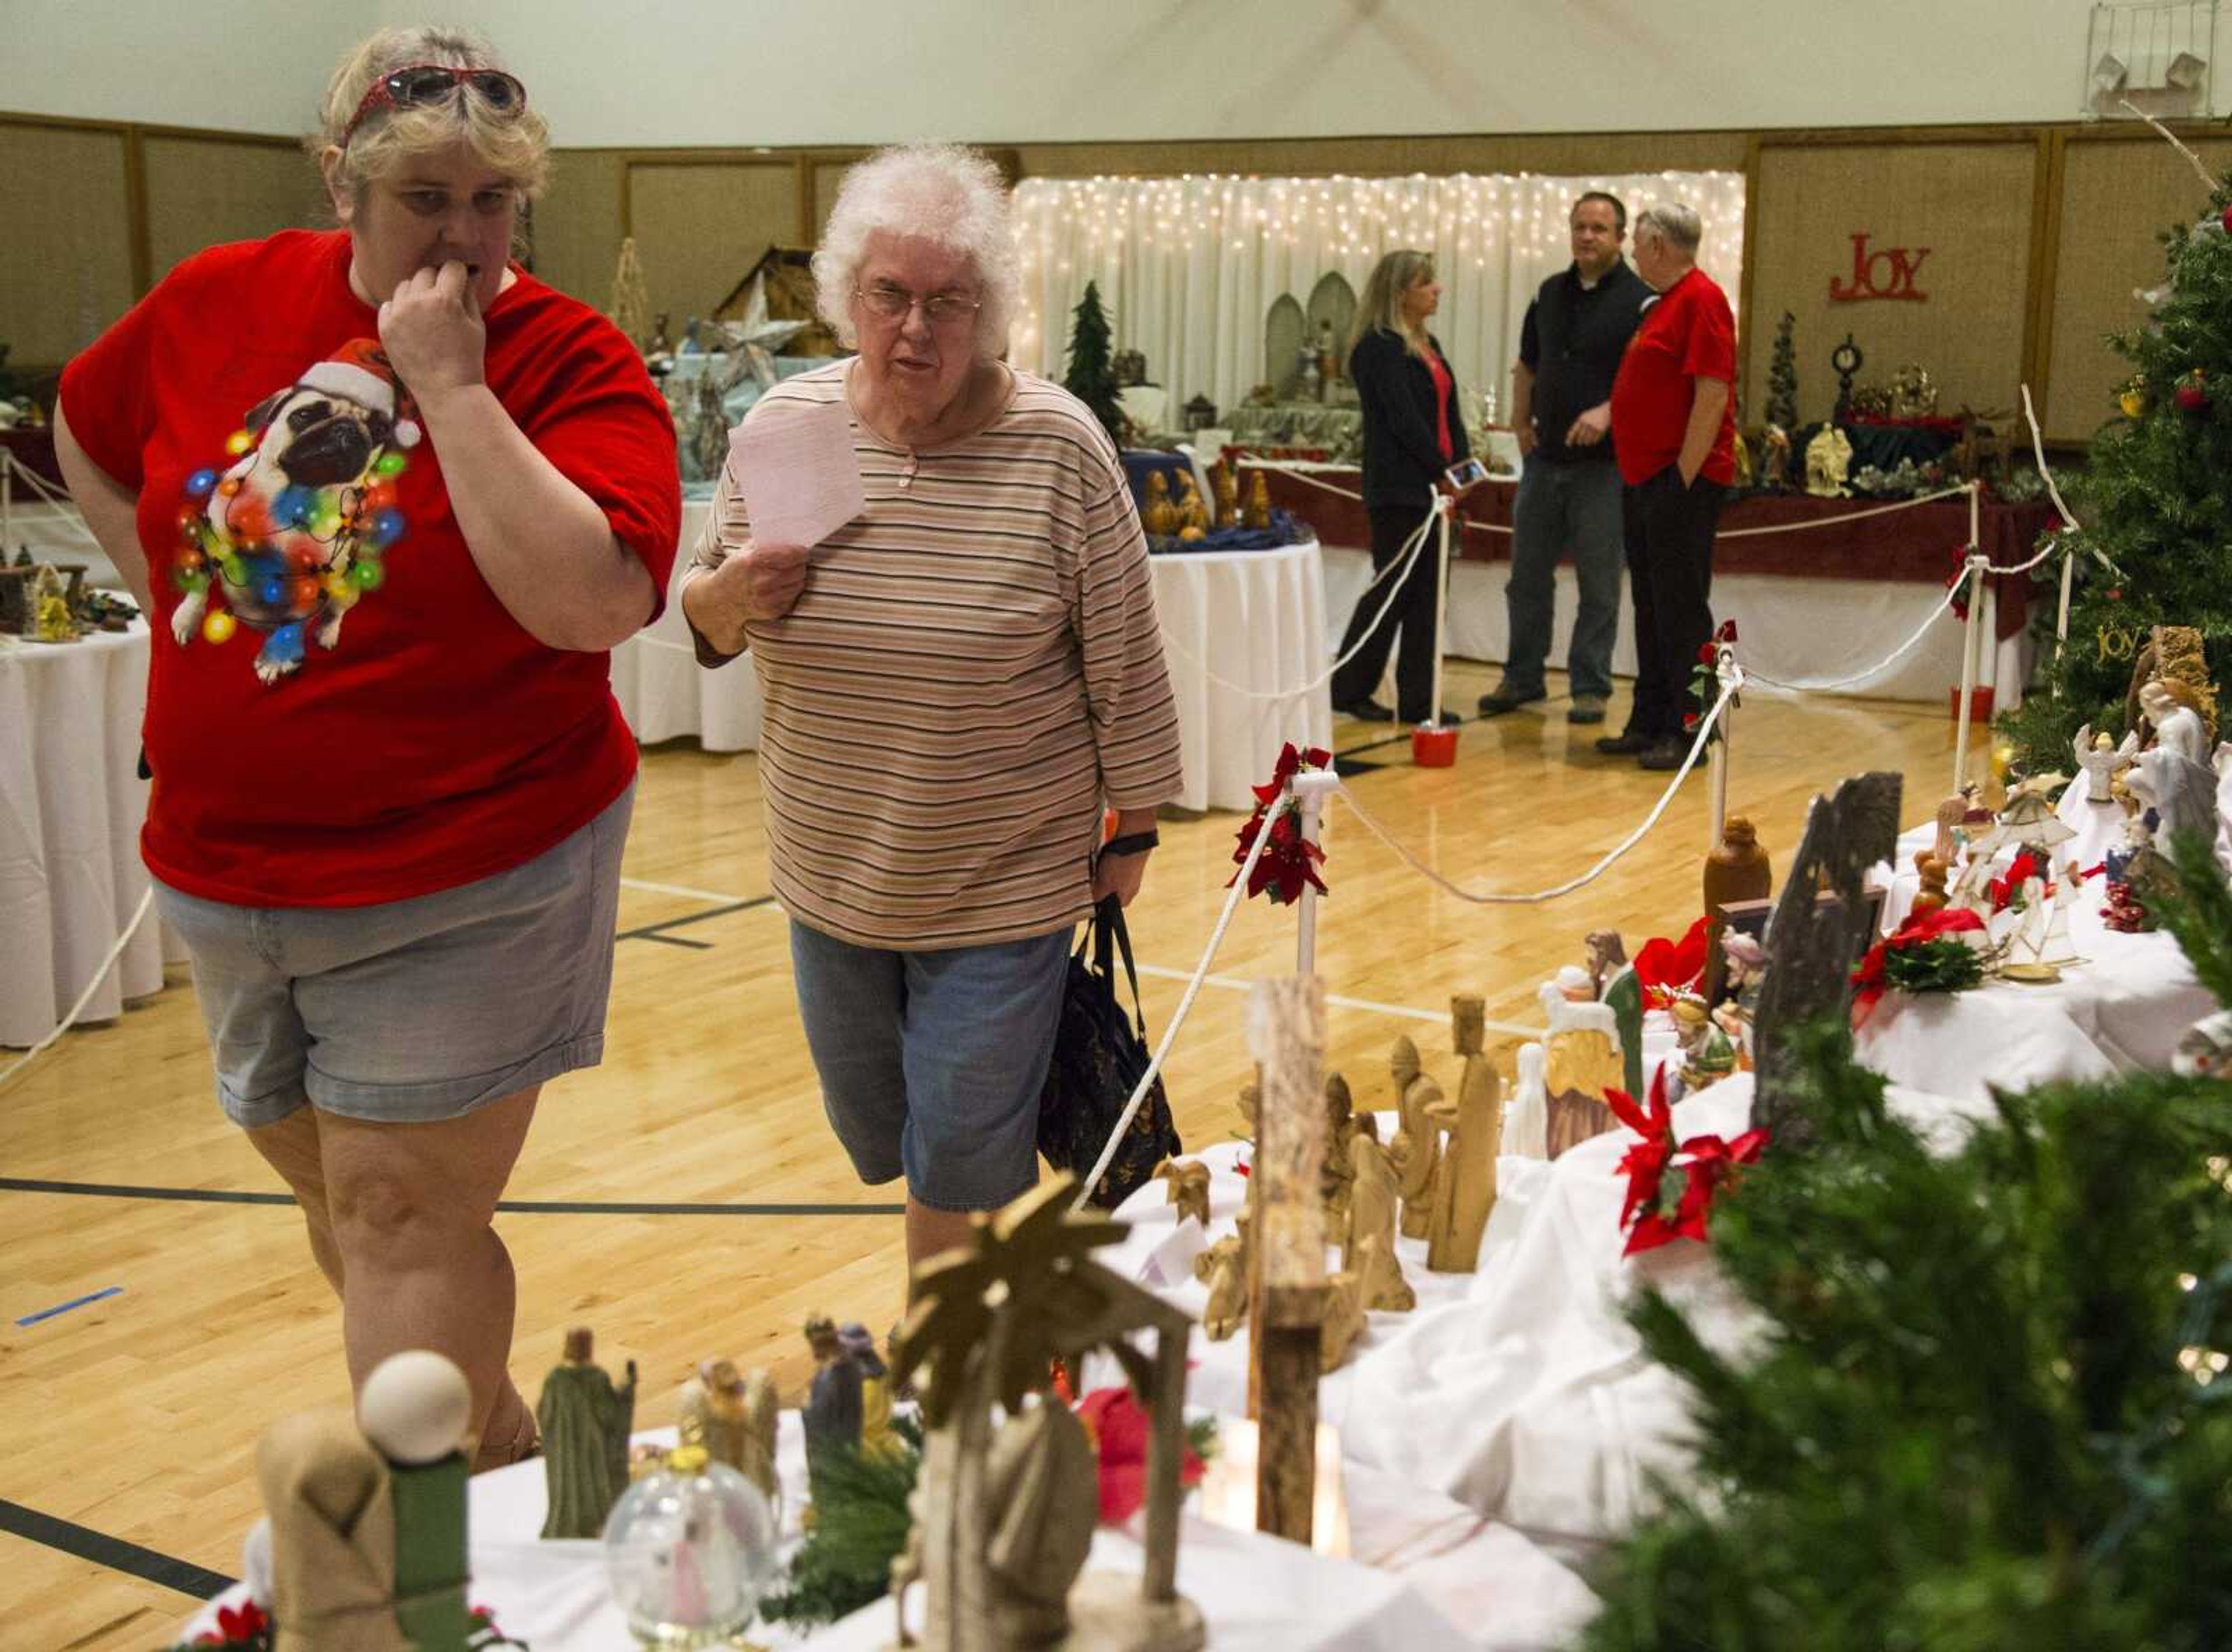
(1465, 473)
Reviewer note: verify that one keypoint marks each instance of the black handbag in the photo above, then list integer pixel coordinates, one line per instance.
(1099, 1056)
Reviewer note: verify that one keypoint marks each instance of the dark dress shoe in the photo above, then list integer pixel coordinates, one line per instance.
(1662, 756)
(1365, 711)
(1626, 745)
(1506, 698)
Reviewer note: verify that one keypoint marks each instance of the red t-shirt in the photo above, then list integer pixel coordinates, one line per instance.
(1688, 333)
(1438, 370)
(425, 740)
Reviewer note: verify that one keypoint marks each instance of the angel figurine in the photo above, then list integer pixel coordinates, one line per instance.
(2099, 758)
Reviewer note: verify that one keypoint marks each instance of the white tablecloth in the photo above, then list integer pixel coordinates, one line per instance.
(1254, 618)
(2123, 1008)
(71, 803)
(1798, 630)
(1257, 1593)
(1520, 1391)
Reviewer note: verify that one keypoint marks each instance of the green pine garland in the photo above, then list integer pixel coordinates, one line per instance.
(2156, 501)
(1977, 1417)
(1945, 965)
(860, 1523)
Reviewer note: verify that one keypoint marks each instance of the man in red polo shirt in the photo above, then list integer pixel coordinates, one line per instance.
(1673, 424)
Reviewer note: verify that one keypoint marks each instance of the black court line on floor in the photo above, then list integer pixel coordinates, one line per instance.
(658, 931)
(115, 1554)
(508, 1207)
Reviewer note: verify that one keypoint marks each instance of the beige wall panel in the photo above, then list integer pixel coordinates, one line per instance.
(67, 272)
(699, 227)
(827, 175)
(204, 192)
(577, 224)
(2117, 196)
(1970, 204)
(1579, 154)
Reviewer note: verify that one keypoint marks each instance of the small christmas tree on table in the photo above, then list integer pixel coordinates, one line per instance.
(1782, 378)
(1091, 378)
(2155, 500)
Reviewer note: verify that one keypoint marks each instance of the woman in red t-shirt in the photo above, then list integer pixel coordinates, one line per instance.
(387, 500)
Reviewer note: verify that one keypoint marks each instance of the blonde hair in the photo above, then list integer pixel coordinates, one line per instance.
(944, 193)
(1381, 308)
(514, 142)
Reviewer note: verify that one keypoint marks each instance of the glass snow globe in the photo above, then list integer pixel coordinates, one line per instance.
(689, 1549)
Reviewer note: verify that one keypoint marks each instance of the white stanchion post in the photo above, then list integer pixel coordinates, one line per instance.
(1971, 657)
(7, 502)
(1716, 754)
(1309, 790)
(1447, 508)
(2061, 614)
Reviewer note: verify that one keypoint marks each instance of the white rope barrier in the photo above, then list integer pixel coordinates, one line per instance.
(1233, 897)
(1411, 548)
(72, 518)
(84, 997)
(1730, 682)
(1968, 489)
(1827, 685)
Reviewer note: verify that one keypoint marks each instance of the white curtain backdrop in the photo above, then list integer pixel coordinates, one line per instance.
(1190, 266)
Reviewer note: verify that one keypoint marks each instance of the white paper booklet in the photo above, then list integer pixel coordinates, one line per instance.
(801, 481)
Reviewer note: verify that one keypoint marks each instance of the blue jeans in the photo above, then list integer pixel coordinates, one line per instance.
(931, 1063)
(1562, 509)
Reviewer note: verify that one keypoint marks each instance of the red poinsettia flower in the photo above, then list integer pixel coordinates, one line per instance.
(1120, 1429)
(236, 1625)
(1667, 1200)
(1712, 1168)
(1727, 634)
(1868, 974)
(1289, 861)
(2020, 870)
(1644, 1164)
(1664, 968)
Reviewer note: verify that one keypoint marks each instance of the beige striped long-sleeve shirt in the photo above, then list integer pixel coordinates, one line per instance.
(973, 670)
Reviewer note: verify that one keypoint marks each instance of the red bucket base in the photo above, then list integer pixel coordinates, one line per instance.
(1434, 748)
(1980, 703)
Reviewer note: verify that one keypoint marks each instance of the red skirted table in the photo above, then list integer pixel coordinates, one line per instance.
(1920, 545)
(1821, 588)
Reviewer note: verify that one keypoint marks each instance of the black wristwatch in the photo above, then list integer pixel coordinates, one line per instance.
(1132, 843)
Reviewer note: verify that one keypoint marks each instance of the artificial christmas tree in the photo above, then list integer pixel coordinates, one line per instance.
(1782, 378)
(2156, 503)
(1090, 378)
(1984, 1405)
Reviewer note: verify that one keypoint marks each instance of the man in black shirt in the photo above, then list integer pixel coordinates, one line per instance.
(1569, 495)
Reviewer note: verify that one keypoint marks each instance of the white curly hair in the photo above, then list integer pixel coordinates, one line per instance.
(941, 192)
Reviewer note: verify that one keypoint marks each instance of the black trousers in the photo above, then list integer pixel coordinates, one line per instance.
(1413, 613)
(1669, 534)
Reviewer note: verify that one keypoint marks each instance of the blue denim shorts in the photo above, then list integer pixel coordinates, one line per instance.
(931, 1063)
(413, 1010)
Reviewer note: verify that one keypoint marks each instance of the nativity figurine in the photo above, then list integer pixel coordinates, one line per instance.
(1189, 1187)
(585, 1420)
(733, 1414)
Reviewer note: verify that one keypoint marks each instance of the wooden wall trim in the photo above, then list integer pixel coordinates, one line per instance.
(135, 206)
(2045, 256)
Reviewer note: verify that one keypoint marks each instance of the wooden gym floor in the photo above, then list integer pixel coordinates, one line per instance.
(686, 1198)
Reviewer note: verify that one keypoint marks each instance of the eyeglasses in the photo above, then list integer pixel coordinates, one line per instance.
(939, 309)
(417, 84)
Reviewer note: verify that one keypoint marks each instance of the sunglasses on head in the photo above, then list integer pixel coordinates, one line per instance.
(417, 84)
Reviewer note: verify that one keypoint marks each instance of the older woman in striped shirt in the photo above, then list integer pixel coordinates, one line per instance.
(956, 684)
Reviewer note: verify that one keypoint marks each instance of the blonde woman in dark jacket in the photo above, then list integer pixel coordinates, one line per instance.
(1413, 434)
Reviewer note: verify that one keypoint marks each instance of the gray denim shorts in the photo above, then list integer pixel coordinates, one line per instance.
(411, 1010)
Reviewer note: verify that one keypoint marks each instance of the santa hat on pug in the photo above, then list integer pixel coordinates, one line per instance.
(359, 372)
